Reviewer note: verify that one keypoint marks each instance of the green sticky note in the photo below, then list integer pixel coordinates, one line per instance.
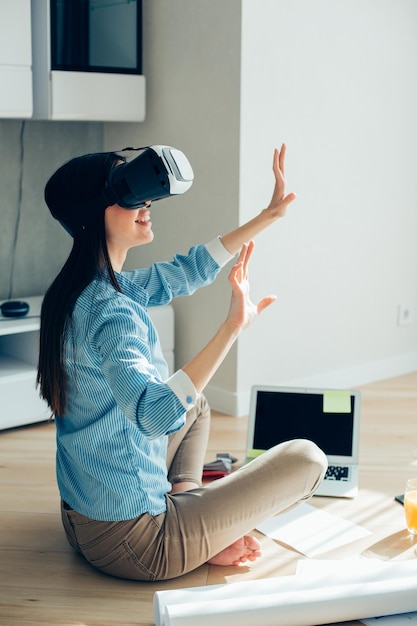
(336, 401)
(254, 452)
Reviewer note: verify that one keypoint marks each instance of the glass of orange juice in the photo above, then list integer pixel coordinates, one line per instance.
(410, 505)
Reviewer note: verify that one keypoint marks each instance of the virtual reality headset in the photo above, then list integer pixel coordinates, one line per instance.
(148, 174)
(145, 174)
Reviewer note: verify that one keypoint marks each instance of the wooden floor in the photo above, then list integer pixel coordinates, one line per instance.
(43, 582)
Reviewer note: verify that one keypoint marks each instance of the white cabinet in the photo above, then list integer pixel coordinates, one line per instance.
(19, 342)
(15, 59)
(71, 79)
(107, 85)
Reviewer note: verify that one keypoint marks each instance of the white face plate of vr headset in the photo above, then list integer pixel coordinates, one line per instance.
(179, 170)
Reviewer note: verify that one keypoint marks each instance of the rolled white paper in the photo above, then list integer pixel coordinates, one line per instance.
(348, 572)
(212, 593)
(307, 607)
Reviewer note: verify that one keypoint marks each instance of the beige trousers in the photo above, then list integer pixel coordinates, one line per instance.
(198, 524)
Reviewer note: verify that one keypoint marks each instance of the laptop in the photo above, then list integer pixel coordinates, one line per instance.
(330, 418)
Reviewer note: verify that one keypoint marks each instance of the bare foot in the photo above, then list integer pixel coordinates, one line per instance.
(245, 549)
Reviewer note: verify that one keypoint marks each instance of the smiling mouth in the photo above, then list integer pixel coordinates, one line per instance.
(143, 220)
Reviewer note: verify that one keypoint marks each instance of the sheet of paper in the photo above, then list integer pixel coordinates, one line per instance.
(311, 531)
(351, 568)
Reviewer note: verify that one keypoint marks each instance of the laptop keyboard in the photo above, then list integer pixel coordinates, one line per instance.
(337, 472)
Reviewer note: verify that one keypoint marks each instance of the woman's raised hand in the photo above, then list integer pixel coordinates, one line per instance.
(243, 311)
(279, 201)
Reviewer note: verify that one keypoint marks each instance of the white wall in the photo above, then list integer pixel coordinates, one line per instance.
(336, 81)
(227, 82)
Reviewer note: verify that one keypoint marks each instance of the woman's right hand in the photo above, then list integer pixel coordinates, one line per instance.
(243, 311)
(276, 208)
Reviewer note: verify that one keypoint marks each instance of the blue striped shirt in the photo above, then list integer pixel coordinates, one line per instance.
(122, 403)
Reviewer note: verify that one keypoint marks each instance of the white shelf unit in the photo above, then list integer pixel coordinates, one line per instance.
(19, 399)
(19, 341)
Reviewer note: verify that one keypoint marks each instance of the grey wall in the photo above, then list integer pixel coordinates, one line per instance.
(33, 245)
(192, 65)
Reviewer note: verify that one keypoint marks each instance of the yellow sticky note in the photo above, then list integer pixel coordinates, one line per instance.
(336, 401)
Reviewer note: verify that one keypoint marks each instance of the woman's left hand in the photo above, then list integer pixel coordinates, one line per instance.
(243, 311)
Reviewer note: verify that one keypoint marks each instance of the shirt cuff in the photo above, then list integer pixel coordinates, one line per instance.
(219, 253)
(181, 385)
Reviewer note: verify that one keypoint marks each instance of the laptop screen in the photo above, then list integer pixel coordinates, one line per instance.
(284, 415)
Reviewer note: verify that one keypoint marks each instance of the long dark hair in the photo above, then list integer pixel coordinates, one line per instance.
(71, 186)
